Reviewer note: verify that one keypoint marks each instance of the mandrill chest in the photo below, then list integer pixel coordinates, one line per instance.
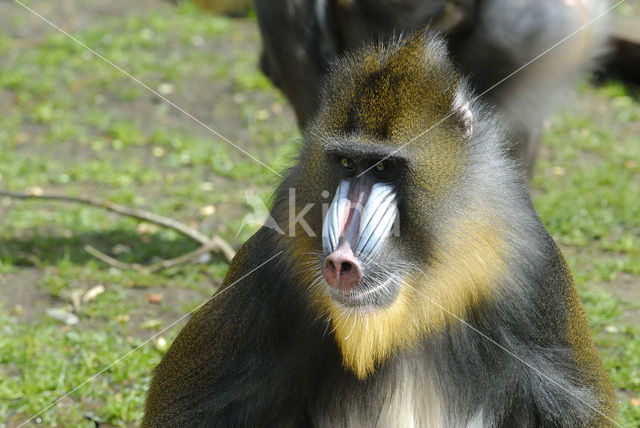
(401, 395)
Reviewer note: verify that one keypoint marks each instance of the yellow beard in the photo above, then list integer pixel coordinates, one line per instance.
(459, 278)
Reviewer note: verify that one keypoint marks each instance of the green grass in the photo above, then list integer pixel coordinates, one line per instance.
(72, 124)
(41, 361)
(587, 192)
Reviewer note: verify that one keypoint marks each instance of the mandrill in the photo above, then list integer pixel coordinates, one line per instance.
(409, 283)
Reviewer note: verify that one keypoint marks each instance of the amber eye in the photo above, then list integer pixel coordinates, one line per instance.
(346, 162)
(380, 166)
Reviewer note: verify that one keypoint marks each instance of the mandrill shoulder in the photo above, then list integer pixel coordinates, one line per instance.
(544, 312)
(214, 376)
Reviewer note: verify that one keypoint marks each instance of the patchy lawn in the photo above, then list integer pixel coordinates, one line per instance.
(72, 124)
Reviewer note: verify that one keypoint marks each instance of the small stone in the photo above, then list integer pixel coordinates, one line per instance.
(207, 186)
(276, 108)
(146, 33)
(611, 329)
(263, 114)
(18, 310)
(35, 191)
(158, 152)
(166, 88)
(121, 249)
(197, 40)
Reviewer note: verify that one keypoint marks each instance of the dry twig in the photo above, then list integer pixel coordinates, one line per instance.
(214, 244)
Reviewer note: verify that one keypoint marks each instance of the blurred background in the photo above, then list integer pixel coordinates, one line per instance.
(71, 124)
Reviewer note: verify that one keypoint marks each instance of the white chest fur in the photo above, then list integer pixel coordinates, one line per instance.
(410, 399)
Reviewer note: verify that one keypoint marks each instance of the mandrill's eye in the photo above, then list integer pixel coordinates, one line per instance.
(380, 166)
(347, 163)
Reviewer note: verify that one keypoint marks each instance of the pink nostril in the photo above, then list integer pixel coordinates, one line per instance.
(341, 268)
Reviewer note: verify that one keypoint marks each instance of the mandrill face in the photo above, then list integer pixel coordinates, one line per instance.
(404, 234)
(367, 147)
(357, 247)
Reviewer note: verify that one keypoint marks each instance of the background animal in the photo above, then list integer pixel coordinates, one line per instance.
(489, 41)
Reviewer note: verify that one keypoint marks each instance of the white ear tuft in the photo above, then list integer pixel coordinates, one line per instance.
(467, 120)
(462, 107)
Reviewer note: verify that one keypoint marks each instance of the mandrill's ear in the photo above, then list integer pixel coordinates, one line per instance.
(462, 110)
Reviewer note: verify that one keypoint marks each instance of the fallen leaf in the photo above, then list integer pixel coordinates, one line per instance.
(93, 293)
(630, 164)
(154, 297)
(276, 108)
(123, 318)
(22, 137)
(121, 249)
(208, 210)
(151, 324)
(147, 228)
(64, 316)
(635, 402)
(75, 300)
